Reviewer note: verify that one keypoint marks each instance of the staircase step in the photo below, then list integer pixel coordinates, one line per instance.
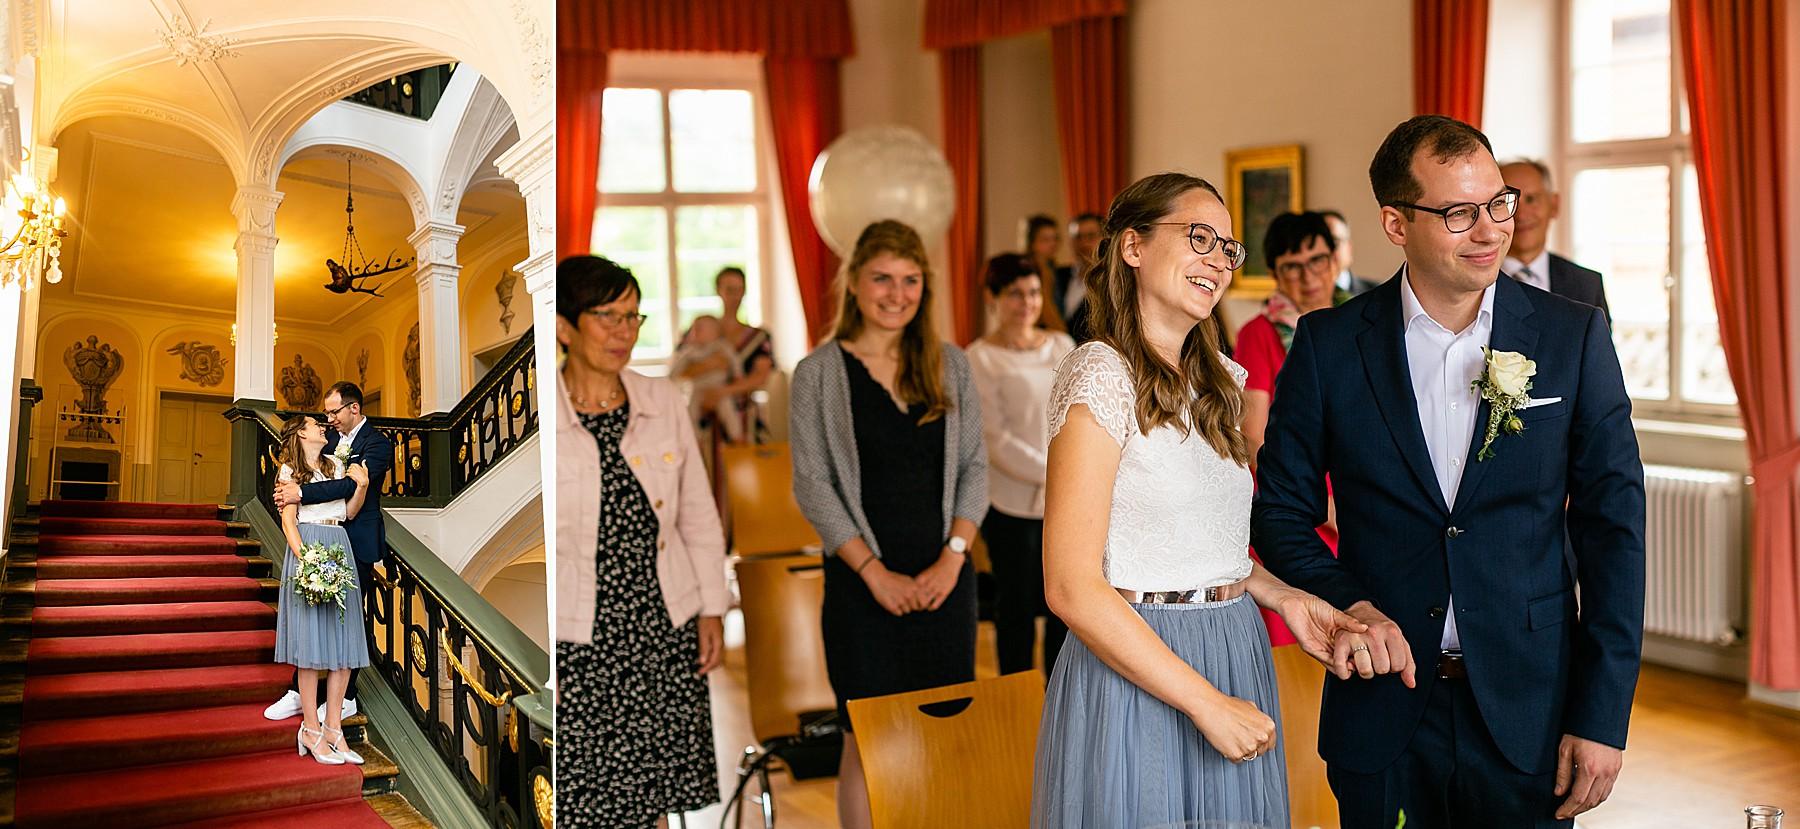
(127, 509)
(193, 790)
(172, 617)
(67, 592)
(144, 651)
(353, 813)
(80, 744)
(140, 545)
(165, 689)
(151, 566)
(70, 525)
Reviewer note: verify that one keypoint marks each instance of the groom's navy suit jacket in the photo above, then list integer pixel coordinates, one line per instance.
(372, 449)
(1538, 665)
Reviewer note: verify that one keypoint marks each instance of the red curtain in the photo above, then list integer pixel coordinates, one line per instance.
(804, 103)
(781, 28)
(960, 81)
(580, 80)
(1736, 69)
(950, 23)
(1089, 71)
(1449, 58)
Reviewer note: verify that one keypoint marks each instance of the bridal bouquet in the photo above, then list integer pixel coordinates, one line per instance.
(325, 575)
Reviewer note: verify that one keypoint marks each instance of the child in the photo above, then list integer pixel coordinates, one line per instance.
(705, 361)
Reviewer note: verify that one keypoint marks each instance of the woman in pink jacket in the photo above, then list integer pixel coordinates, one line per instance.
(640, 571)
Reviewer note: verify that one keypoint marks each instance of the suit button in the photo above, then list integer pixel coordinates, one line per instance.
(1435, 613)
(1453, 532)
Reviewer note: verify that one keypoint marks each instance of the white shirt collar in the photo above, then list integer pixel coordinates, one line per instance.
(351, 438)
(1540, 269)
(1412, 310)
(1345, 279)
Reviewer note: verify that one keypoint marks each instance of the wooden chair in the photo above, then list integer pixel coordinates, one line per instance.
(759, 494)
(784, 659)
(1301, 682)
(970, 766)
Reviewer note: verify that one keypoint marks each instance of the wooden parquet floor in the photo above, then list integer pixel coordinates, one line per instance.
(1699, 753)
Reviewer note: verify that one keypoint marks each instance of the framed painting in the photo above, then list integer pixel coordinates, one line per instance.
(1260, 184)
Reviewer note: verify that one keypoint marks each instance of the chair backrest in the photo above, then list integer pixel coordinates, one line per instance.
(926, 766)
(784, 652)
(759, 492)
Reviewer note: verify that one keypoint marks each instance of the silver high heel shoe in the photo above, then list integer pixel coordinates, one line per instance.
(324, 756)
(345, 753)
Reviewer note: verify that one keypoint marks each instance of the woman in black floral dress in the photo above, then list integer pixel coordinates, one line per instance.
(640, 573)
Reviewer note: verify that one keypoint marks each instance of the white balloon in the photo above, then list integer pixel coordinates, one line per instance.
(877, 173)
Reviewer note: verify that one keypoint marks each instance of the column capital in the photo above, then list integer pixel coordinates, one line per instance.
(436, 243)
(531, 164)
(254, 206)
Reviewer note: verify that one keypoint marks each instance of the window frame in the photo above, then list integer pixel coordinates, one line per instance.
(728, 76)
(1672, 151)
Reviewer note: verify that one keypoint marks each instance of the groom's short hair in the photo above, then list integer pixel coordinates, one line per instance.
(1290, 233)
(346, 391)
(1444, 137)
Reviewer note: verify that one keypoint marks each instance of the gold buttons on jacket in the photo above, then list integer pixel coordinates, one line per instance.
(660, 545)
(637, 460)
(659, 503)
(668, 457)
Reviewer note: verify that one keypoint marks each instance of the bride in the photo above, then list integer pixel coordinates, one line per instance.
(1161, 706)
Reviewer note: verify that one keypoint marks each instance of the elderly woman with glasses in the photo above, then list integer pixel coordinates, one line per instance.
(640, 570)
(1301, 253)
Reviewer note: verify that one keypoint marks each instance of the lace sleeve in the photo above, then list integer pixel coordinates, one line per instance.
(285, 474)
(1095, 376)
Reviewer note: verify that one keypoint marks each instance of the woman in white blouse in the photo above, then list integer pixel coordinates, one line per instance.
(1014, 366)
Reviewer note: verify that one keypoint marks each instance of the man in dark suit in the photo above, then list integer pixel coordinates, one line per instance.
(1344, 253)
(1530, 260)
(368, 535)
(1071, 280)
(1482, 695)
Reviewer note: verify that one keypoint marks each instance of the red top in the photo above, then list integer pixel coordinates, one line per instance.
(1259, 351)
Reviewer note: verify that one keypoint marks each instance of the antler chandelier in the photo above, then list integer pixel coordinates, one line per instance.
(32, 225)
(347, 277)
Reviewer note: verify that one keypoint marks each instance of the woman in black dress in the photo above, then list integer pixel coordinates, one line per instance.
(889, 467)
(640, 572)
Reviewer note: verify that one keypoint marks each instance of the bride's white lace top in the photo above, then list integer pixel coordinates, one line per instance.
(314, 513)
(1180, 516)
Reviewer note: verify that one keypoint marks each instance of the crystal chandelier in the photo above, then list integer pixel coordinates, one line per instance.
(32, 224)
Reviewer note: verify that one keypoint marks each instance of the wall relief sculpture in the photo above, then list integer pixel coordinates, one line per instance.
(362, 368)
(411, 362)
(300, 386)
(94, 366)
(200, 363)
(509, 282)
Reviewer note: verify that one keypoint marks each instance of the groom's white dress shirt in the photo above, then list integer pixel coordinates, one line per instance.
(1444, 365)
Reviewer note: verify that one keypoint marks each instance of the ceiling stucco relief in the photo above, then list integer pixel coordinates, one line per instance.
(194, 45)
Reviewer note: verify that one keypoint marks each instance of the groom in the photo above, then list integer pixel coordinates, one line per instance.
(1490, 696)
(368, 537)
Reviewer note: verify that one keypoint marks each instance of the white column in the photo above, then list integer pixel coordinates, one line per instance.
(440, 321)
(253, 376)
(531, 164)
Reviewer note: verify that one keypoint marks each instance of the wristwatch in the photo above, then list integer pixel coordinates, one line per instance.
(958, 545)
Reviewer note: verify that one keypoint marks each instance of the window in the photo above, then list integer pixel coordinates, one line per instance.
(683, 193)
(1632, 208)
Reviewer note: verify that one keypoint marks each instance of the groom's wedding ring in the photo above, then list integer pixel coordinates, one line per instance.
(1359, 648)
(1248, 757)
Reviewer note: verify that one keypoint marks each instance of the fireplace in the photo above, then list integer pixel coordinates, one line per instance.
(82, 474)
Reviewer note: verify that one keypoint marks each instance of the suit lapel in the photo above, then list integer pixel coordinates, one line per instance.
(1383, 346)
(1513, 331)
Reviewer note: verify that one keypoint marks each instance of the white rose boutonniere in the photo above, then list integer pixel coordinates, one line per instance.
(342, 452)
(1505, 383)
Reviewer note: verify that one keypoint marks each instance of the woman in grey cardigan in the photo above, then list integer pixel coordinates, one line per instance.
(889, 467)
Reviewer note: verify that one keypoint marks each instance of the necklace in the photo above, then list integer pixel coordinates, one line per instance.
(601, 405)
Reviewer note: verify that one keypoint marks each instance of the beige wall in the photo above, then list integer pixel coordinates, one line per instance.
(1021, 166)
(480, 303)
(520, 593)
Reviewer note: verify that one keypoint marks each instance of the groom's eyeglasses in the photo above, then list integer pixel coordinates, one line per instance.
(1204, 239)
(1459, 218)
(334, 412)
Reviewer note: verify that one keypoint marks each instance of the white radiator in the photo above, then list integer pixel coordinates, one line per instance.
(1694, 547)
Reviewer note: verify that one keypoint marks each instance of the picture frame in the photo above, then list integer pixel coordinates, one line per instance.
(1261, 183)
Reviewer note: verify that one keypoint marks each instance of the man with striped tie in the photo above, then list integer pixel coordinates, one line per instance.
(1530, 261)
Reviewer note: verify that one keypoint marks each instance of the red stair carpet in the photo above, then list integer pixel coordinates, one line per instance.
(149, 664)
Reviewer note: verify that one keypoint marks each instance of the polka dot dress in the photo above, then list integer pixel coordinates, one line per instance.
(634, 722)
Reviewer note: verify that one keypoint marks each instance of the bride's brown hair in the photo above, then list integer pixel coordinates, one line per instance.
(293, 453)
(1199, 395)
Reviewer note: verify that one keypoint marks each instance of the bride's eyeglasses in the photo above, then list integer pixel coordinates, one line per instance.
(1204, 239)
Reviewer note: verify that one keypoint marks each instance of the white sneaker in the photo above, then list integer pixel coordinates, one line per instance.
(287, 707)
(349, 708)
